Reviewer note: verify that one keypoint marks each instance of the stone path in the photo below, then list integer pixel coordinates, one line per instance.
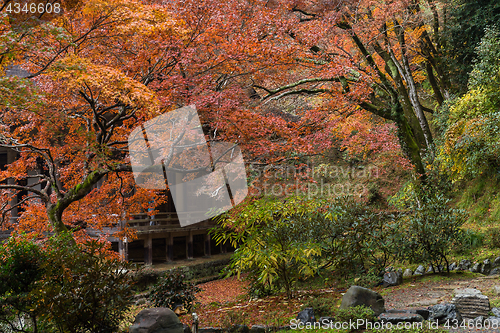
(428, 290)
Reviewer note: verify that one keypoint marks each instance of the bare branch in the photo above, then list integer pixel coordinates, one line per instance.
(44, 197)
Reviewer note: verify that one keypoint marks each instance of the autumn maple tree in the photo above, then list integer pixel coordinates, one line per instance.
(278, 78)
(368, 56)
(104, 67)
(68, 121)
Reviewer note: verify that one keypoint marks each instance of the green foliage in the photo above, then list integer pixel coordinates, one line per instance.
(61, 286)
(172, 289)
(352, 314)
(285, 241)
(359, 238)
(469, 241)
(21, 267)
(279, 242)
(97, 287)
(470, 141)
(493, 235)
(466, 23)
(486, 68)
(430, 228)
(322, 306)
(368, 279)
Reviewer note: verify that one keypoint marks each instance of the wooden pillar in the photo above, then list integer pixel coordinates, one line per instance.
(207, 245)
(170, 247)
(223, 248)
(148, 249)
(189, 245)
(122, 249)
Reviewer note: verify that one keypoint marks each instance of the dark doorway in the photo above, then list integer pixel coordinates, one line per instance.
(198, 246)
(159, 250)
(136, 251)
(180, 248)
(215, 249)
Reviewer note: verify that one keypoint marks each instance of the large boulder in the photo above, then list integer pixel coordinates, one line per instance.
(357, 295)
(443, 313)
(156, 320)
(496, 262)
(476, 268)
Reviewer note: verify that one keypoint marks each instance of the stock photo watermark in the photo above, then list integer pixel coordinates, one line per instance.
(312, 181)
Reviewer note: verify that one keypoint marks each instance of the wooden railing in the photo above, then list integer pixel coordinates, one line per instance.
(143, 224)
(164, 222)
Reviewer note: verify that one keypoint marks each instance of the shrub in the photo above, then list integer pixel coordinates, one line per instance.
(369, 279)
(357, 238)
(354, 313)
(279, 243)
(470, 240)
(21, 268)
(172, 289)
(61, 286)
(430, 230)
(322, 306)
(86, 288)
(284, 241)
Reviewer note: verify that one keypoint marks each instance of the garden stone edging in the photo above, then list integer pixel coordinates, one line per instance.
(487, 267)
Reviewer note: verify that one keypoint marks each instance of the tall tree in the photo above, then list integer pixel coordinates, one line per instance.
(368, 55)
(106, 67)
(70, 142)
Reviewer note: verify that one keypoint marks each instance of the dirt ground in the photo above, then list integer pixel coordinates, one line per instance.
(221, 299)
(420, 292)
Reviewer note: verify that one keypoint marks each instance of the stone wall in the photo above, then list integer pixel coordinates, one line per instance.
(199, 273)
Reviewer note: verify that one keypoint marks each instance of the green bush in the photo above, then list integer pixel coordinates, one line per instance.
(60, 286)
(86, 288)
(357, 238)
(369, 279)
(21, 267)
(322, 306)
(430, 229)
(172, 289)
(278, 242)
(285, 241)
(354, 313)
